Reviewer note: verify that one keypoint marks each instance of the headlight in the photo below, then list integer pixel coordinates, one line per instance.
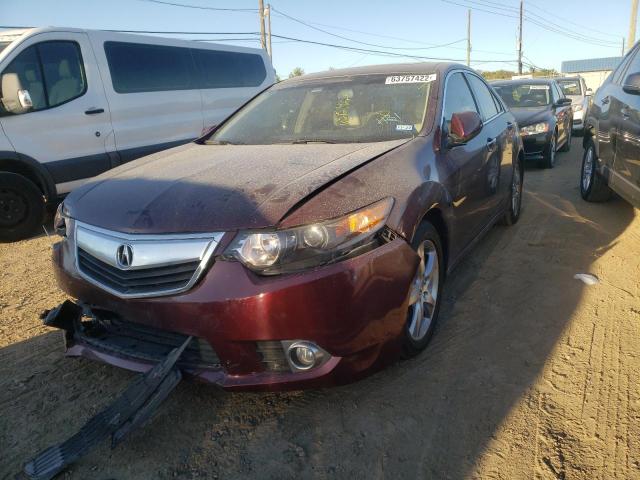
(61, 220)
(577, 108)
(542, 127)
(281, 251)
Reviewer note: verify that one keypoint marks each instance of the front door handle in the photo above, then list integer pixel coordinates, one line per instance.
(510, 126)
(605, 100)
(492, 144)
(94, 111)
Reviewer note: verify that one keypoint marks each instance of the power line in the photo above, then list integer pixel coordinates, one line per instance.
(198, 7)
(388, 47)
(547, 25)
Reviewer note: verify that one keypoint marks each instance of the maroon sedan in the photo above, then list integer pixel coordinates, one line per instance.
(303, 242)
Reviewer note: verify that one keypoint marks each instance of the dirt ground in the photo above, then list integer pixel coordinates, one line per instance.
(531, 374)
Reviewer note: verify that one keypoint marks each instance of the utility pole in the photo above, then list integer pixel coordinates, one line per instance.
(261, 12)
(632, 24)
(469, 38)
(520, 38)
(267, 13)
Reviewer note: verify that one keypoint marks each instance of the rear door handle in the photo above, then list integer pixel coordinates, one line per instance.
(492, 144)
(94, 111)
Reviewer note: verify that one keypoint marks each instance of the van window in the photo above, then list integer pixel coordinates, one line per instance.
(52, 72)
(138, 67)
(63, 71)
(229, 69)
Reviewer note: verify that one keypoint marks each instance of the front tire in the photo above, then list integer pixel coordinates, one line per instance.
(593, 186)
(426, 291)
(21, 207)
(550, 156)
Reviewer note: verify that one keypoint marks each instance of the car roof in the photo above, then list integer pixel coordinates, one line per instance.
(421, 68)
(525, 81)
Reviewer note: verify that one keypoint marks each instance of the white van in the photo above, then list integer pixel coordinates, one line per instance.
(75, 103)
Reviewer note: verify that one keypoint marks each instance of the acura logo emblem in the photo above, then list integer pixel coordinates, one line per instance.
(124, 255)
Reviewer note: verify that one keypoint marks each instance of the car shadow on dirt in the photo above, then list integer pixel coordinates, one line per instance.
(505, 308)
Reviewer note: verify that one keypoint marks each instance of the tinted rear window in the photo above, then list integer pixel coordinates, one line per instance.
(149, 68)
(229, 69)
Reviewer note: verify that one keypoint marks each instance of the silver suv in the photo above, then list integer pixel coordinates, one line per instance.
(576, 89)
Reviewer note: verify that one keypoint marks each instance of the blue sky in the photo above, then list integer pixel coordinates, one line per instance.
(409, 24)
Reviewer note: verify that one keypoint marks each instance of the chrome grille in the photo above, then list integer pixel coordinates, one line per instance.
(129, 282)
(155, 264)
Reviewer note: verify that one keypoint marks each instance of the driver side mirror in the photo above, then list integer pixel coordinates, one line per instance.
(15, 98)
(589, 92)
(562, 102)
(631, 84)
(464, 126)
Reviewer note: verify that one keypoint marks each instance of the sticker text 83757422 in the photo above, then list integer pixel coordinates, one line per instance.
(394, 79)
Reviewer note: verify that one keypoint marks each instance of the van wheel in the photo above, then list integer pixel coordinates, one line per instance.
(425, 291)
(593, 186)
(21, 207)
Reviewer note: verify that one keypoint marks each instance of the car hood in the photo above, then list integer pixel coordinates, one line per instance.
(530, 115)
(205, 188)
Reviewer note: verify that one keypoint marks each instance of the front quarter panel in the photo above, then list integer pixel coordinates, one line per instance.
(409, 174)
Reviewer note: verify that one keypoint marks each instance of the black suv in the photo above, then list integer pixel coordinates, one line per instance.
(612, 136)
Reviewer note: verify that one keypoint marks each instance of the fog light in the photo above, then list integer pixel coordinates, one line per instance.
(305, 355)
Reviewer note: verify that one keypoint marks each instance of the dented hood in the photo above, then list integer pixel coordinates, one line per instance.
(205, 188)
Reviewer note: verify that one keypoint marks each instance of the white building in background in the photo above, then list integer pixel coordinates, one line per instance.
(593, 70)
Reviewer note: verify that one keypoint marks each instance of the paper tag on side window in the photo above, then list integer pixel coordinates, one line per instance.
(538, 87)
(394, 79)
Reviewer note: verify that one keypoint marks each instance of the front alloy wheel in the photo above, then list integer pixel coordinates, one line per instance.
(425, 291)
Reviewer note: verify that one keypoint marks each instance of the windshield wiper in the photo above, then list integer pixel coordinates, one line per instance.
(295, 142)
(222, 142)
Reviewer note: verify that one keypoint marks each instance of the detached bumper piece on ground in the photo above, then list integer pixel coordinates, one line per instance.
(132, 409)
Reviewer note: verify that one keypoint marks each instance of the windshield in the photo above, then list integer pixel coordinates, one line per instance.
(372, 108)
(570, 87)
(522, 95)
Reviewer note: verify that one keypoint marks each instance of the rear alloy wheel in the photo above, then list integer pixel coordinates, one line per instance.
(512, 215)
(550, 155)
(21, 207)
(593, 186)
(426, 291)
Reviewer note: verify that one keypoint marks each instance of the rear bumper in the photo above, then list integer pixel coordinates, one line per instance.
(355, 310)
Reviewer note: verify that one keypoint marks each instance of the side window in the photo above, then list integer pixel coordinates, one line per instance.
(27, 66)
(555, 95)
(137, 67)
(229, 69)
(622, 68)
(63, 71)
(484, 97)
(458, 98)
(52, 73)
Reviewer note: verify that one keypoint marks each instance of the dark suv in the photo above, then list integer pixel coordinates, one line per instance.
(612, 136)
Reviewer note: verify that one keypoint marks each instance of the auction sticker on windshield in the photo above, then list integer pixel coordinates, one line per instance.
(394, 79)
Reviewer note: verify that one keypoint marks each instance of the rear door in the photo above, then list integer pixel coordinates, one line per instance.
(153, 94)
(499, 146)
(626, 165)
(469, 161)
(68, 129)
